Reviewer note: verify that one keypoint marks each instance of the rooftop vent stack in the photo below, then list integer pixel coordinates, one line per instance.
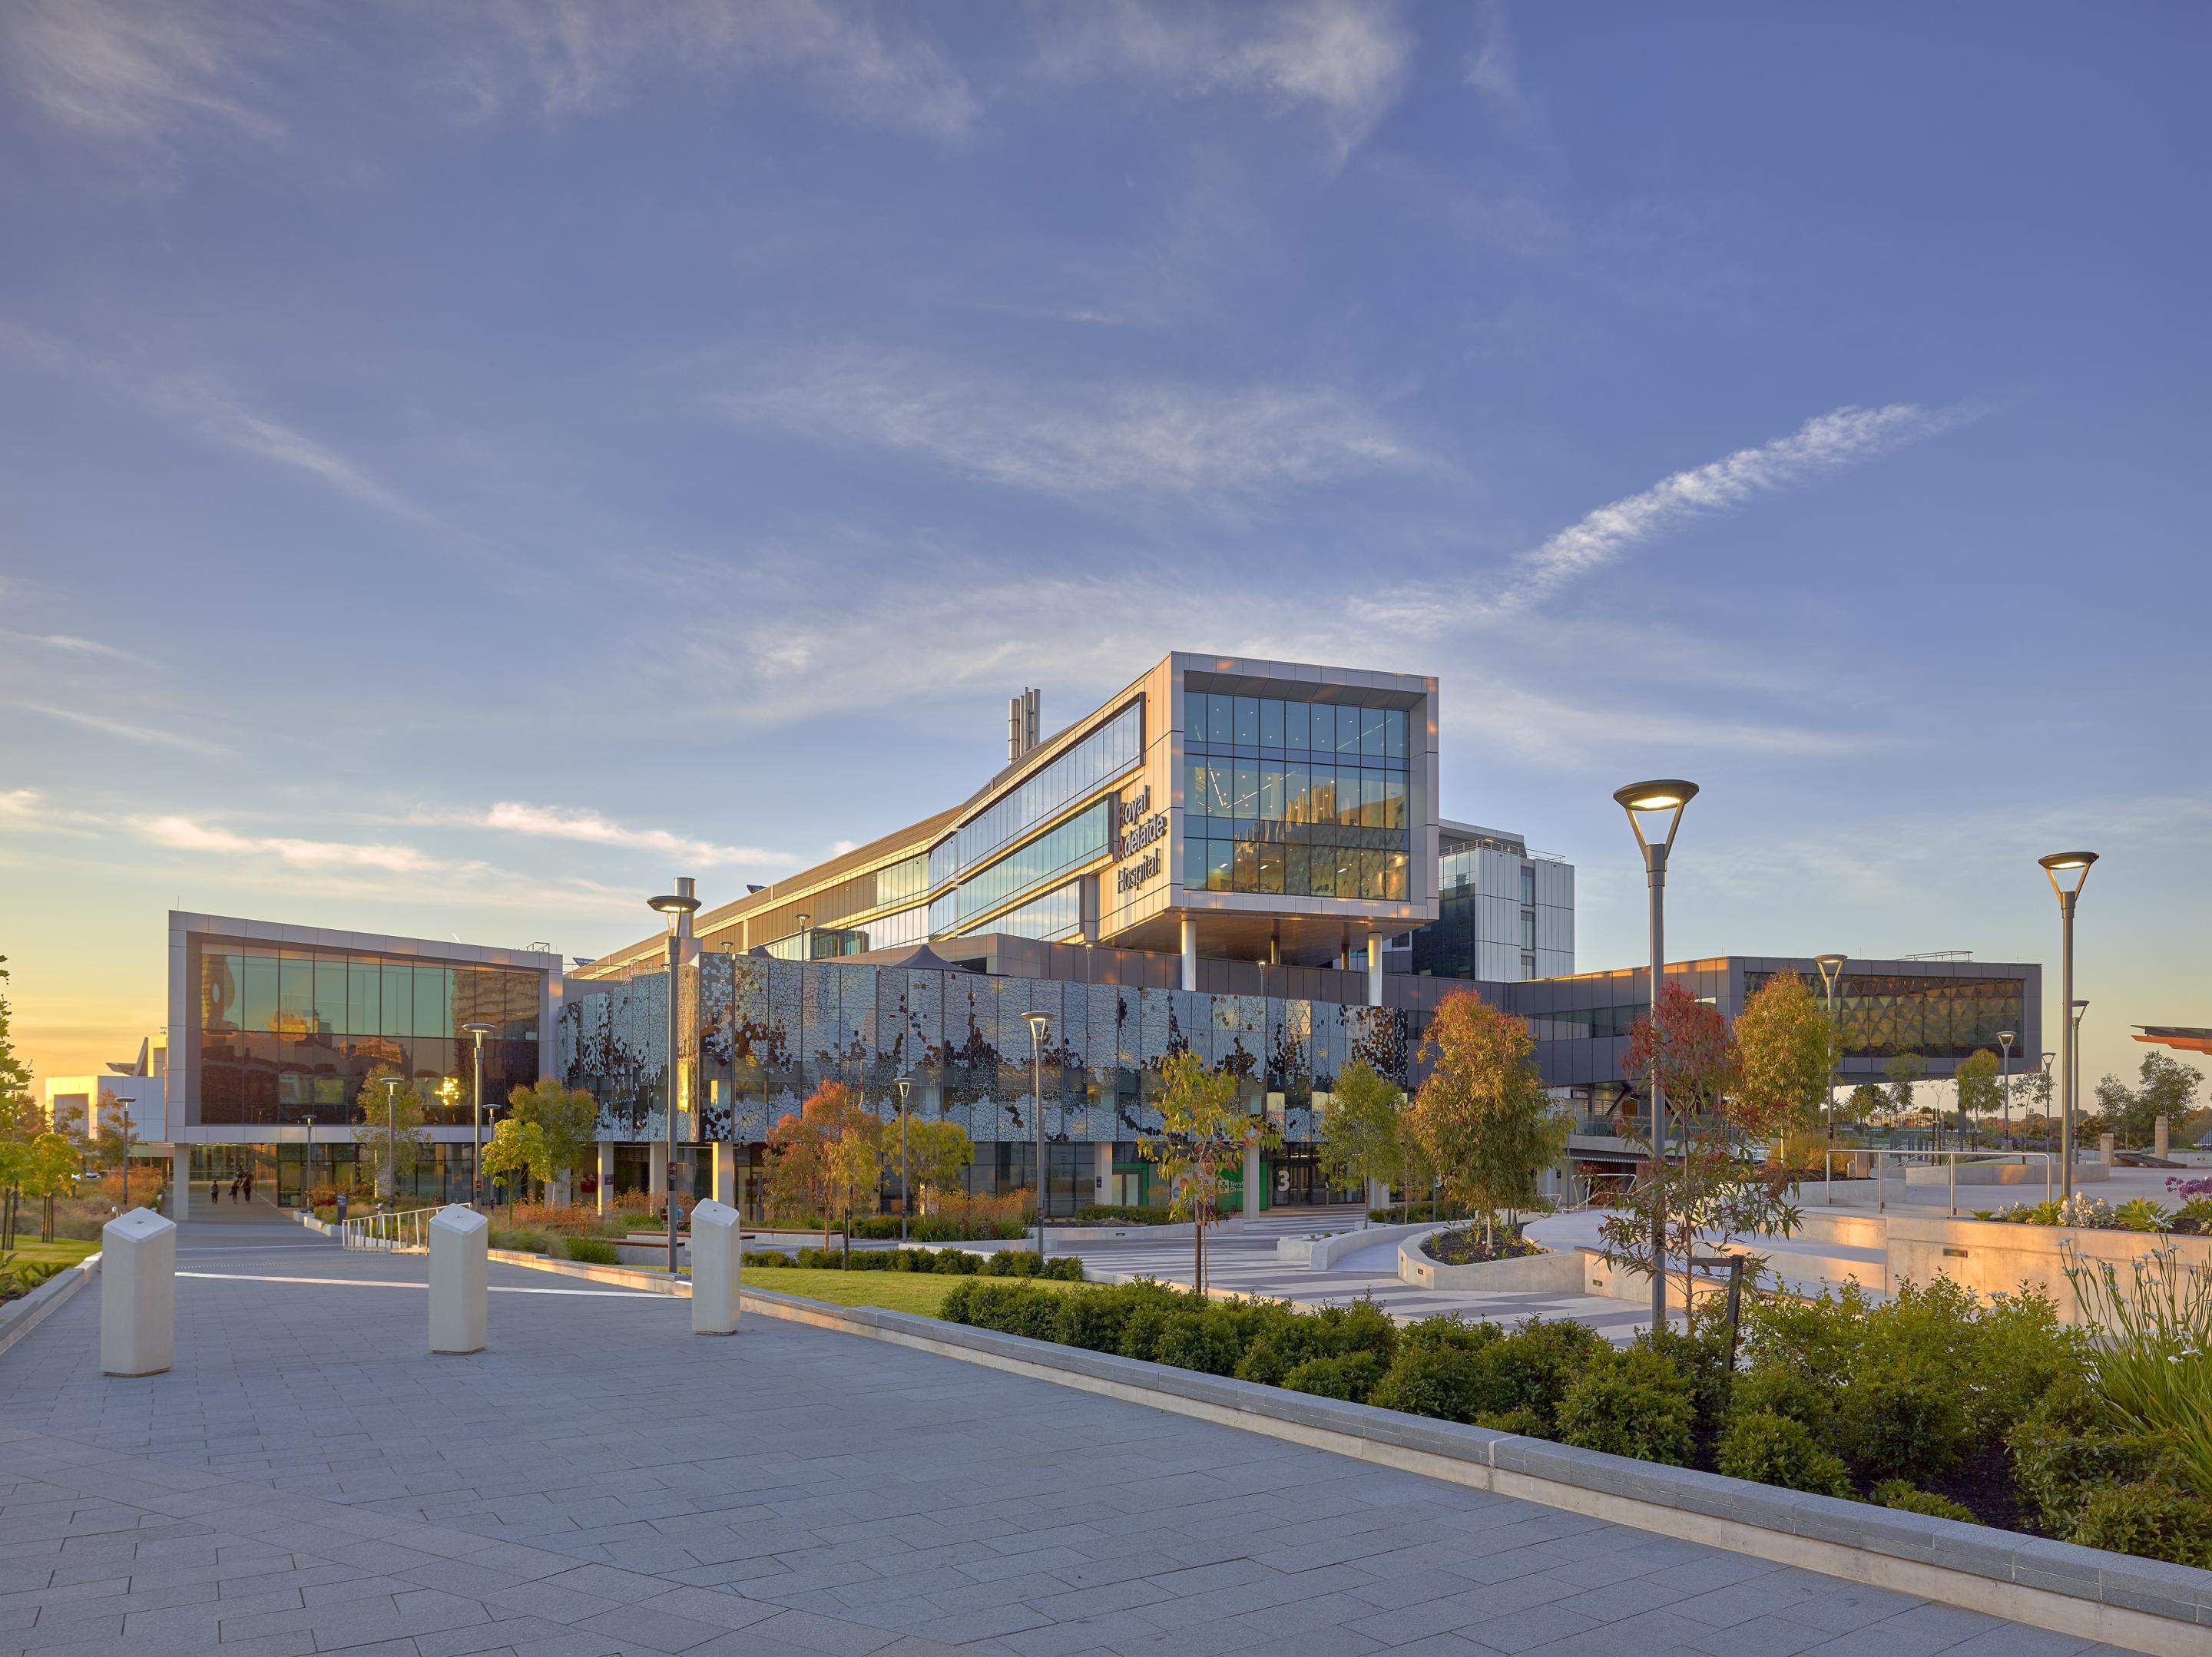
(1022, 720)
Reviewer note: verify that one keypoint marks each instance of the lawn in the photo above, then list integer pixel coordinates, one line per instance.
(920, 1292)
(68, 1250)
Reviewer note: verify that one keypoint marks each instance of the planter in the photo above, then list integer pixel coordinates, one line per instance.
(1321, 1253)
(1531, 1274)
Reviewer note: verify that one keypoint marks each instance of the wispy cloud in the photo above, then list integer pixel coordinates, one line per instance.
(186, 834)
(1345, 60)
(591, 829)
(138, 69)
(30, 810)
(1492, 67)
(68, 642)
(1824, 444)
(563, 57)
(1073, 441)
(123, 728)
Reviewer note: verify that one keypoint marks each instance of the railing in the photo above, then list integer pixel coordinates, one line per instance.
(1951, 1160)
(387, 1233)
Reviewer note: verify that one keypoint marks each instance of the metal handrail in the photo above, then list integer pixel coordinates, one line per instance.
(1951, 1160)
(389, 1233)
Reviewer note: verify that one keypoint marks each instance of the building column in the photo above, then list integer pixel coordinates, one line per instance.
(725, 1173)
(607, 1173)
(1103, 1171)
(1255, 1171)
(1189, 953)
(1375, 969)
(656, 1172)
(180, 1183)
(1378, 1194)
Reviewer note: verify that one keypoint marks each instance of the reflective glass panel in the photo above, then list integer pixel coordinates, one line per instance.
(398, 1000)
(1247, 866)
(1322, 870)
(1194, 789)
(1221, 862)
(1194, 861)
(1270, 793)
(296, 1004)
(1297, 795)
(1247, 790)
(1298, 727)
(1298, 882)
(1324, 794)
(1394, 733)
(1220, 720)
(1247, 722)
(1270, 866)
(1347, 731)
(1373, 743)
(1271, 723)
(258, 1013)
(1323, 718)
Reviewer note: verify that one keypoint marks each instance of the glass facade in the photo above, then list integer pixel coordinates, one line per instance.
(1881, 1014)
(1054, 915)
(1105, 753)
(1071, 844)
(1308, 799)
(286, 1033)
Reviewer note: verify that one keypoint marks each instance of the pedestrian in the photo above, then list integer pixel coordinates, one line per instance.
(214, 1191)
(249, 1187)
(234, 1187)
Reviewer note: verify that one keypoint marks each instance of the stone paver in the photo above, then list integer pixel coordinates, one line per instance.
(308, 1479)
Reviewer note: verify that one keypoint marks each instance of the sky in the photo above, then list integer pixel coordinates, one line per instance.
(462, 466)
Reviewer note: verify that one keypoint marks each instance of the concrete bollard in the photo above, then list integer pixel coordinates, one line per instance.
(137, 1293)
(2104, 1149)
(717, 1256)
(456, 1280)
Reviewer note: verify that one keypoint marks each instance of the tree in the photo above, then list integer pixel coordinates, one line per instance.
(518, 1151)
(1204, 1129)
(19, 1111)
(1866, 1099)
(2036, 1096)
(1363, 1135)
(1903, 1070)
(808, 1169)
(389, 1127)
(1694, 1052)
(2115, 1104)
(937, 1154)
(1980, 1092)
(48, 1170)
(567, 1117)
(1484, 1118)
(856, 1166)
(1785, 1048)
(2168, 1090)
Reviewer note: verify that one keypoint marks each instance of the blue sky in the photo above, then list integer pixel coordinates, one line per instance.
(464, 464)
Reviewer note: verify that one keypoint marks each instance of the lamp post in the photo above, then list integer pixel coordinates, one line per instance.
(1664, 799)
(678, 906)
(1039, 1022)
(1832, 971)
(906, 1185)
(391, 1136)
(2047, 1058)
(479, 1029)
(806, 937)
(2074, 1068)
(2069, 872)
(2005, 1039)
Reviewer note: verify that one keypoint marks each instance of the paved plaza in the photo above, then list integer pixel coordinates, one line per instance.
(599, 1481)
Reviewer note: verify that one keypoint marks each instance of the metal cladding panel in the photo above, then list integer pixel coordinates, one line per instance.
(925, 1023)
(1240, 1035)
(1158, 1033)
(1101, 1058)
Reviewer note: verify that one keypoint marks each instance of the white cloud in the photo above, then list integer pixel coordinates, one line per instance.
(1071, 442)
(580, 57)
(555, 822)
(186, 834)
(136, 69)
(1344, 59)
(123, 728)
(69, 642)
(1823, 444)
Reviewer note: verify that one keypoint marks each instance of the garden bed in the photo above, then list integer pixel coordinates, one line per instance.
(1467, 1246)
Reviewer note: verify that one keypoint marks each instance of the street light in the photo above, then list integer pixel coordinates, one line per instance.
(2069, 872)
(1654, 801)
(392, 1135)
(806, 937)
(678, 907)
(1831, 970)
(2005, 1039)
(479, 1029)
(906, 1185)
(1039, 1022)
(2074, 1065)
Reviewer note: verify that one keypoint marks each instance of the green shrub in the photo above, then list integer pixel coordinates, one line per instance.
(593, 1251)
(1771, 1448)
(1066, 1268)
(1011, 1263)
(1351, 1377)
(1525, 1422)
(2066, 1449)
(1896, 1493)
(1266, 1361)
(1434, 1379)
(1199, 1339)
(765, 1257)
(1121, 1214)
(1533, 1367)
(1142, 1329)
(2141, 1214)
(1448, 1330)
(1097, 1319)
(2153, 1518)
(1360, 1325)
(1702, 1358)
(1634, 1403)
(1013, 1308)
(1896, 1419)
(519, 1240)
(820, 1260)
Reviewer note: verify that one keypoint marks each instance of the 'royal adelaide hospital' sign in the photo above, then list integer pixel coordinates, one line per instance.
(1136, 826)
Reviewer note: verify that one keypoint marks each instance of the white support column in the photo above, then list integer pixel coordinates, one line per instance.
(1255, 1171)
(1378, 1194)
(656, 1172)
(137, 1293)
(1375, 969)
(1103, 1171)
(607, 1173)
(180, 1183)
(2161, 1139)
(717, 1240)
(456, 1280)
(725, 1174)
(1189, 953)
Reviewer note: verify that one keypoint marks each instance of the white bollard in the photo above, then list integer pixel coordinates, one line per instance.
(717, 1255)
(137, 1293)
(456, 1280)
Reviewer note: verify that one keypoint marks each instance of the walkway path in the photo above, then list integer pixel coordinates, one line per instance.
(307, 1479)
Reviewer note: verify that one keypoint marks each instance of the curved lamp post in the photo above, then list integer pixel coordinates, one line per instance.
(906, 1185)
(1658, 802)
(2005, 1039)
(479, 1029)
(392, 1134)
(678, 907)
(2067, 871)
(1039, 1022)
(1832, 971)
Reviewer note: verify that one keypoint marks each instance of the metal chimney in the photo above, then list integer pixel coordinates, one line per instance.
(1022, 723)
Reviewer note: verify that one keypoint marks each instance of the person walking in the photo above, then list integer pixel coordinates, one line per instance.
(249, 1187)
(214, 1192)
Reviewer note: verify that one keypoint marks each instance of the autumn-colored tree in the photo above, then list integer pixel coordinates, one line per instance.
(937, 1154)
(389, 1127)
(1363, 1132)
(1694, 1053)
(1785, 1046)
(814, 1155)
(1484, 1118)
(49, 1169)
(518, 1152)
(1204, 1129)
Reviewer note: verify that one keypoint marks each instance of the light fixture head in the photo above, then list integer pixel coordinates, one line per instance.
(904, 1087)
(1828, 962)
(2067, 871)
(674, 903)
(1660, 801)
(1039, 1022)
(477, 1026)
(2007, 1036)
